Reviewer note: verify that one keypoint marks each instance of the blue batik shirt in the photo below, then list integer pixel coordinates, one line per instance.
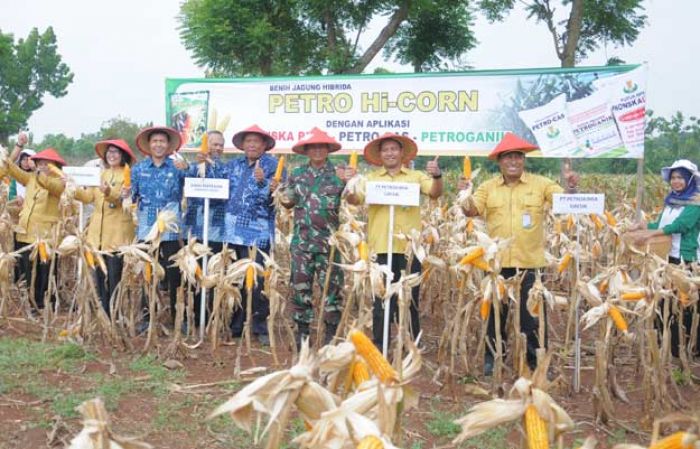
(153, 188)
(250, 214)
(194, 217)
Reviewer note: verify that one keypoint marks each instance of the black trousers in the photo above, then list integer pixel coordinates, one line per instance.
(215, 248)
(673, 324)
(172, 275)
(398, 264)
(261, 306)
(529, 325)
(107, 283)
(24, 270)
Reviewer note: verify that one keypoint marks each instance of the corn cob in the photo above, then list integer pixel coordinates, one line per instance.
(564, 264)
(472, 256)
(485, 308)
(370, 442)
(603, 287)
(633, 296)
(161, 225)
(678, 440)
(536, 429)
(467, 168)
(470, 226)
(249, 277)
(127, 176)
(429, 240)
(353, 159)
(90, 259)
(683, 298)
(618, 319)
(280, 167)
(596, 221)
(376, 361)
(147, 271)
(43, 253)
(363, 250)
(360, 372)
(570, 222)
(557, 226)
(481, 264)
(204, 145)
(501, 288)
(610, 218)
(198, 272)
(55, 170)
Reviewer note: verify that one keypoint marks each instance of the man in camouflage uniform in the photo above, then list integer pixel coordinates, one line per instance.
(314, 192)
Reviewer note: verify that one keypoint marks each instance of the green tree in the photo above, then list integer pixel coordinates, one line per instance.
(298, 37)
(587, 24)
(29, 69)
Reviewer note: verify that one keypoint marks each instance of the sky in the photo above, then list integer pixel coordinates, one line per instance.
(122, 51)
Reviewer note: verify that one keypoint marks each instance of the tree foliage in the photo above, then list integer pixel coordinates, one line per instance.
(29, 69)
(588, 23)
(299, 37)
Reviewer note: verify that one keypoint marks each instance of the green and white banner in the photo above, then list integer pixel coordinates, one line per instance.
(463, 113)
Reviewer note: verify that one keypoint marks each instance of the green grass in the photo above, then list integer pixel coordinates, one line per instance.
(495, 438)
(442, 424)
(158, 376)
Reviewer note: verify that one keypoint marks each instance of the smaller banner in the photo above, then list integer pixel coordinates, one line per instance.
(188, 115)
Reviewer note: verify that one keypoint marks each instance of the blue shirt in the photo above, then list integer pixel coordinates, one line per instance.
(250, 214)
(194, 217)
(153, 188)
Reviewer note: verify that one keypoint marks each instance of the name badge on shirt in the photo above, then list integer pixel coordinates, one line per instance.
(527, 221)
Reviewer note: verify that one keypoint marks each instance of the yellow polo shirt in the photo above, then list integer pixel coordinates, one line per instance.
(405, 218)
(517, 211)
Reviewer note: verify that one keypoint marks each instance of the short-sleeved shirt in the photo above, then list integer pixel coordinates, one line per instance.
(315, 193)
(250, 214)
(517, 211)
(194, 217)
(405, 217)
(154, 188)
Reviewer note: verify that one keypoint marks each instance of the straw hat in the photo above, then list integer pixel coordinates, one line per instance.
(101, 149)
(509, 143)
(410, 149)
(317, 137)
(175, 141)
(680, 163)
(240, 136)
(51, 155)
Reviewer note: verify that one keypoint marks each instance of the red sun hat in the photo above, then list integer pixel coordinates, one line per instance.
(410, 148)
(240, 136)
(509, 143)
(174, 141)
(50, 155)
(102, 145)
(318, 136)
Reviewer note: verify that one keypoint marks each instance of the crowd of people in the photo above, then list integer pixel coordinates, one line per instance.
(513, 205)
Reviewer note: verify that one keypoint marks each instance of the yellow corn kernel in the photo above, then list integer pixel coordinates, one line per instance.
(43, 253)
(536, 429)
(161, 225)
(360, 372)
(596, 250)
(204, 145)
(678, 440)
(570, 223)
(355, 226)
(618, 319)
(603, 286)
(610, 218)
(90, 259)
(564, 264)
(249, 277)
(353, 160)
(127, 176)
(683, 298)
(376, 361)
(633, 296)
(472, 256)
(481, 264)
(363, 250)
(485, 308)
(470, 225)
(596, 221)
(147, 271)
(467, 168)
(198, 273)
(280, 167)
(370, 442)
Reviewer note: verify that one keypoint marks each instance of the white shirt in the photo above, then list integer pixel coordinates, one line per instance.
(668, 216)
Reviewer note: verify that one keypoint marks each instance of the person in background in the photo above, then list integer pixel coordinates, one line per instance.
(17, 190)
(110, 226)
(392, 153)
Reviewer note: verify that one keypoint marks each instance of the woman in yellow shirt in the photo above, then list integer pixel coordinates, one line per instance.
(110, 225)
(39, 212)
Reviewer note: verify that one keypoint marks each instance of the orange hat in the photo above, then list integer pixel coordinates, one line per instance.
(509, 143)
(49, 154)
(145, 134)
(319, 137)
(102, 145)
(240, 136)
(410, 149)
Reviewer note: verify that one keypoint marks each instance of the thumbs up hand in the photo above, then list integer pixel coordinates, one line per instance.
(433, 169)
(258, 173)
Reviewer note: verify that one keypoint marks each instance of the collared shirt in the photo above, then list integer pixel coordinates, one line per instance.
(250, 214)
(315, 193)
(153, 188)
(517, 211)
(194, 217)
(405, 217)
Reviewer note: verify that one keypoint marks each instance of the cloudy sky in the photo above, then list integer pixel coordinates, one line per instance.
(121, 52)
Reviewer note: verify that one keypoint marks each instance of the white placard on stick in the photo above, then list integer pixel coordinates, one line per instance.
(578, 203)
(84, 176)
(393, 193)
(213, 188)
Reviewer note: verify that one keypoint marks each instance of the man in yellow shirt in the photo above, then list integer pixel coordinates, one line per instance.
(513, 205)
(392, 152)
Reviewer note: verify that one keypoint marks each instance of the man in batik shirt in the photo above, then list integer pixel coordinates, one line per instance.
(314, 191)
